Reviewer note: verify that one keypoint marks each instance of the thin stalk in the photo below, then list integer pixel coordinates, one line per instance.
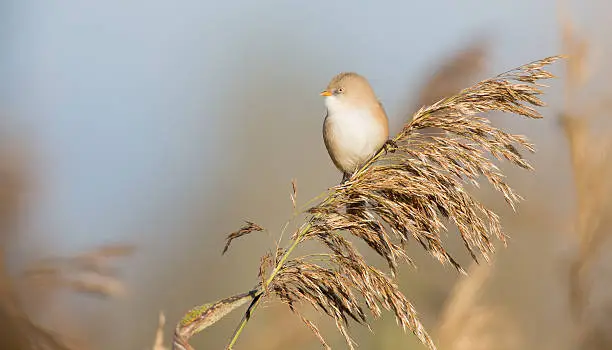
(273, 274)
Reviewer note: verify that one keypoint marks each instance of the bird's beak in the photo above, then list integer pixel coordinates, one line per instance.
(325, 93)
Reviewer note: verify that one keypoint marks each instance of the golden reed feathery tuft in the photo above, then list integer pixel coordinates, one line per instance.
(411, 189)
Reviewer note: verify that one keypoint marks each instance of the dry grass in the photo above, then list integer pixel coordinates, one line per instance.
(90, 272)
(413, 191)
(468, 323)
(244, 230)
(87, 273)
(591, 160)
(591, 163)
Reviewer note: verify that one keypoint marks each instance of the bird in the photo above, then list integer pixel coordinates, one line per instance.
(356, 126)
(355, 129)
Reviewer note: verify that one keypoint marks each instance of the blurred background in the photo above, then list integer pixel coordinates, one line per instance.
(134, 135)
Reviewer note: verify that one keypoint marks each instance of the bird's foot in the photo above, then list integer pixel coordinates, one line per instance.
(390, 146)
(345, 178)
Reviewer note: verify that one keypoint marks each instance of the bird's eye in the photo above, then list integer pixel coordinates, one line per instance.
(340, 90)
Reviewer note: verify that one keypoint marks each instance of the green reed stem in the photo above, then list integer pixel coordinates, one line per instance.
(273, 274)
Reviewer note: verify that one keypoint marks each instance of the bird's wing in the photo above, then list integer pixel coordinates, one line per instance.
(381, 114)
(326, 134)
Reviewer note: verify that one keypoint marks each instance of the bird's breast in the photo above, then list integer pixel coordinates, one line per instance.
(352, 137)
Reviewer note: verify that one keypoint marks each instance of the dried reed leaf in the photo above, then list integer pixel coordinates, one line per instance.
(202, 316)
(244, 230)
(294, 193)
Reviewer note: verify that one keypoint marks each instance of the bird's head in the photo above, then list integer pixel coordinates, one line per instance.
(348, 90)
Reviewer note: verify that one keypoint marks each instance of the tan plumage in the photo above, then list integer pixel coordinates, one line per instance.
(356, 125)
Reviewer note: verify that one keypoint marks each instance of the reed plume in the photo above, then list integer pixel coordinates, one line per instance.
(413, 190)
